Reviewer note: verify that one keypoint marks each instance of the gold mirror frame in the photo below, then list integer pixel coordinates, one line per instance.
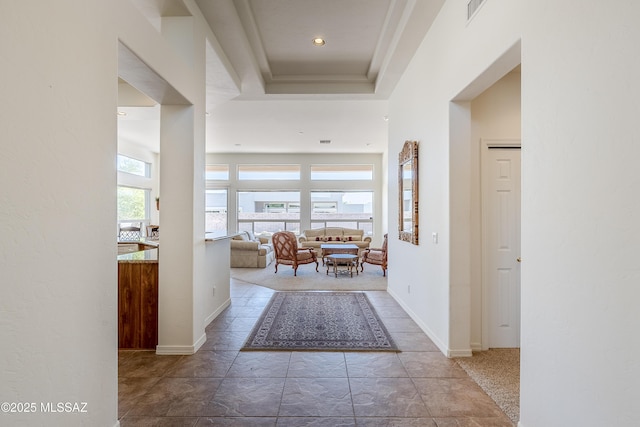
(408, 192)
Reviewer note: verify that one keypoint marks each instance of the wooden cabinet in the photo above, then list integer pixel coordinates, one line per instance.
(138, 305)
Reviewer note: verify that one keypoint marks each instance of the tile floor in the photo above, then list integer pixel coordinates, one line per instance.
(220, 386)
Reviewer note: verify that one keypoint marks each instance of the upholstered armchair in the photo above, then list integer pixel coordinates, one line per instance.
(376, 257)
(287, 251)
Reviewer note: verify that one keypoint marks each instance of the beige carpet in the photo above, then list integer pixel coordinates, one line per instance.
(310, 280)
(497, 372)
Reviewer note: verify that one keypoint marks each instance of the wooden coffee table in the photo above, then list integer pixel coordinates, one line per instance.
(348, 261)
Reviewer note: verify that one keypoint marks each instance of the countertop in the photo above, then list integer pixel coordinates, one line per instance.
(149, 255)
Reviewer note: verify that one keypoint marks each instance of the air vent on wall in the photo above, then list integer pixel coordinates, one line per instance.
(325, 141)
(472, 7)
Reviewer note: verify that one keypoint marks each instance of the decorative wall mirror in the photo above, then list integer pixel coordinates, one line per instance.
(408, 192)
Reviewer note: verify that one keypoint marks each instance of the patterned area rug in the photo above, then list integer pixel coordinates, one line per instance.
(325, 321)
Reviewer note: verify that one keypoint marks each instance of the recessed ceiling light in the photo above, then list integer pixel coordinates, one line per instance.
(318, 41)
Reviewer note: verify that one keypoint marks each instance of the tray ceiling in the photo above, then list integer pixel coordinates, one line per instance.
(269, 89)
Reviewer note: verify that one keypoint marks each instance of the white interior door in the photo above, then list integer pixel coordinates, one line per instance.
(501, 237)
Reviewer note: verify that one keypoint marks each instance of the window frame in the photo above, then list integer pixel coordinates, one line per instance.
(223, 168)
(270, 170)
(147, 204)
(146, 165)
(331, 172)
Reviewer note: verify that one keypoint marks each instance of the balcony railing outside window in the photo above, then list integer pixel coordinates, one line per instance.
(269, 211)
(348, 209)
(216, 210)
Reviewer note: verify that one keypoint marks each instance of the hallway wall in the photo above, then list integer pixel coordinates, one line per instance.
(58, 299)
(580, 234)
(579, 212)
(430, 105)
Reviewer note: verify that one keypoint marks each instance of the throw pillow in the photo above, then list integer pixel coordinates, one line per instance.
(242, 236)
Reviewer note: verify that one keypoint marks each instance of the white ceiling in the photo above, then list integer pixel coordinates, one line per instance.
(292, 94)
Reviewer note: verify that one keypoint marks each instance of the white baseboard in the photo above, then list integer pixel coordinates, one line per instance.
(175, 350)
(460, 353)
(210, 318)
(476, 346)
(172, 350)
(199, 342)
(117, 424)
(432, 336)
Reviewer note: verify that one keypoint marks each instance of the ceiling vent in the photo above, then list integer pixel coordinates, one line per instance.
(472, 8)
(325, 141)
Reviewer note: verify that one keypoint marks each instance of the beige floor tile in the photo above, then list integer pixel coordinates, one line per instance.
(222, 386)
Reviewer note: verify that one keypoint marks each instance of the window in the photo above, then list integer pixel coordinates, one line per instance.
(133, 204)
(269, 172)
(133, 166)
(341, 172)
(216, 210)
(217, 173)
(350, 209)
(268, 211)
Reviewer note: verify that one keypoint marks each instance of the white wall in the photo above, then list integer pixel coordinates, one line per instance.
(172, 72)
(218, 280)
(579, 210)
(445, 69)
(58, 307)
(58, 299)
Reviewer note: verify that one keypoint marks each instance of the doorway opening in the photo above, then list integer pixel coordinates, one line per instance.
(489, 107)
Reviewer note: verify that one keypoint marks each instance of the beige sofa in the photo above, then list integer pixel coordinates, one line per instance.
(251, 252)
(334, 235)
